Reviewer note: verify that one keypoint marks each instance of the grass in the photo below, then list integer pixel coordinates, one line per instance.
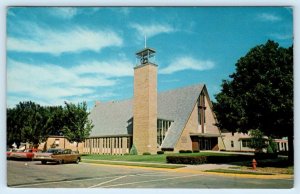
(237, 172)
(151, 165)
(146, 158)
(273, 170)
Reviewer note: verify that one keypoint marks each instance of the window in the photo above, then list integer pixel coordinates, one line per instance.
(201, 109)
(232, 144)
(246, 142)
(128, 142)
(162, 129)
(56, 142)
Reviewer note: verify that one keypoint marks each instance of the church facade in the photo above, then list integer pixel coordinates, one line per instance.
(180, 119)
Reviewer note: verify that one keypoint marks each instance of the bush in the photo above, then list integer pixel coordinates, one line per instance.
(269, 149)
(260, 156)
(196, 151)
(186, 159)
(160, 152)
(208, 159)
(228, 159)
(185, 151)
(146, 153)
(133, 150)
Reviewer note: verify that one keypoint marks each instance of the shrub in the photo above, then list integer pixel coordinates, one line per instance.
(182, 151)
(269, 149)
(228, 159)
(146, 153)
(188, 151)
(196, 151)
(186, 159)
(208, 159)
(160, 152)
(133, 150)
(261, 156)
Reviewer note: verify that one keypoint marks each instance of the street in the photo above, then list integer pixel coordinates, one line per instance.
(29, 174)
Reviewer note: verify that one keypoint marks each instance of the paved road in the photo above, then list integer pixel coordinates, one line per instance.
(35, 175)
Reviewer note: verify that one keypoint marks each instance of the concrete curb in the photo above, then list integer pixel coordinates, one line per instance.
(193, 171)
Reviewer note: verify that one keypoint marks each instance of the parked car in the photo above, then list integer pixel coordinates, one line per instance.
(24, 154)
(9, 151)
(59, 156)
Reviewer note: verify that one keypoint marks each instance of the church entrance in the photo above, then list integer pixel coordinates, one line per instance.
(204, 143)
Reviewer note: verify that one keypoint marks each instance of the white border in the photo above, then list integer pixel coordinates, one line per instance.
(5, 3)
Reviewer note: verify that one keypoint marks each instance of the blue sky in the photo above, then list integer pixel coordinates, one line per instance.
(75, 54)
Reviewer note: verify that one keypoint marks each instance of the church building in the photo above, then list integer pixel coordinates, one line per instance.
(180, 119)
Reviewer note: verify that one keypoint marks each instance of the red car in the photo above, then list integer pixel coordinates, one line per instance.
(9, 151)
(26, 154)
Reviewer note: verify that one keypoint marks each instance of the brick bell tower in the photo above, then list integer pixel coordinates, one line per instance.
(145, 103)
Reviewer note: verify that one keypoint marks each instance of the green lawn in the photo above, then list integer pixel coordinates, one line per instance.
(146, 158)
(156, 165)
(237, 172)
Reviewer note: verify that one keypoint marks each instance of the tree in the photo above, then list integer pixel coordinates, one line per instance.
(35, 123)
(77, 126)
(56, 121)
(259, 95)
(258, 141)
(14, 125)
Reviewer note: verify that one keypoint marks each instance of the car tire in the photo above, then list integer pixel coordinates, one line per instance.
(77, 161)
(59, 161)
(44, 162)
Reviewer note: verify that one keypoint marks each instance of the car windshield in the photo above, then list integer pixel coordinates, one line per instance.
(54, 151)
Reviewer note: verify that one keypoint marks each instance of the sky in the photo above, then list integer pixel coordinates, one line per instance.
(76, 54)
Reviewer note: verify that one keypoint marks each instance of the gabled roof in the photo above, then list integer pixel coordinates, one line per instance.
(115, 118)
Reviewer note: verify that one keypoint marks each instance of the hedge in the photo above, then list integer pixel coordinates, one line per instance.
(160, 152)
(146, 153)
(186, 159)
(262, 156)
(185, 151)
(207, 159)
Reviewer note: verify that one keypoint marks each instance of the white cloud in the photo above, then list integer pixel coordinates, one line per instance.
(151, 30)
(107, 69)
(76, 39)
(52, 84)
(63, 12)
(268, 17)
(187, 63)
(281, 36)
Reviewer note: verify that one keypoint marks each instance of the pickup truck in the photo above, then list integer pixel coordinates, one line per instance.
(59, 156)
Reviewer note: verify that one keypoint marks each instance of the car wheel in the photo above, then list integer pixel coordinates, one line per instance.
(77, 161)
(59, 162)
(43, 162)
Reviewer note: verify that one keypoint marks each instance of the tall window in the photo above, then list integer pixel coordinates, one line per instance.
(162, 129)
(232, 144)
(201, 111)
